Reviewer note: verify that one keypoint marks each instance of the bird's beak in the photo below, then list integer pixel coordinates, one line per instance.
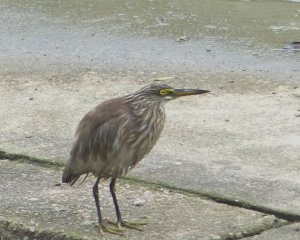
(186, 92)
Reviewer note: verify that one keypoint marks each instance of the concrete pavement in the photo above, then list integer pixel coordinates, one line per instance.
(34, 206)
(238, 146)
(234, 165)
(244, 147)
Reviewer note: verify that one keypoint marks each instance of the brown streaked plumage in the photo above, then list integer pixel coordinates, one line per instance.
(113, 137)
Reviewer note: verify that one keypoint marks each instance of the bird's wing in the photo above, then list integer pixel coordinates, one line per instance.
(98, 130)
(96, 136)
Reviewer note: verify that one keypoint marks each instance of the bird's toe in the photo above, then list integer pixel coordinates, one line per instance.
(130, 225)
(110, 229)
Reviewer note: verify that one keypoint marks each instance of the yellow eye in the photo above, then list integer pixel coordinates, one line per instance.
(163, 92)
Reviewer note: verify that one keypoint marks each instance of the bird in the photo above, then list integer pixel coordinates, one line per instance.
(116, 135)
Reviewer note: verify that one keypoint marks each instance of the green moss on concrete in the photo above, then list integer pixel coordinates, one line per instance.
(12, 230)
(29, 159)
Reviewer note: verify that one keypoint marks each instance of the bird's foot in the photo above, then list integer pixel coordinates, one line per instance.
(130, 225)
(110, 229)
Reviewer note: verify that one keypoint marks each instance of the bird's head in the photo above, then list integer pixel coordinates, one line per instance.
(164, 92)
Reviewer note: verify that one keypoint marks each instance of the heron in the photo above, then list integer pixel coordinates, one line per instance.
(116, 135)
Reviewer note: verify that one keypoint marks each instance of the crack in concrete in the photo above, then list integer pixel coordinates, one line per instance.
(29, 159)
(225, 200)
(212, 196)
(282, 218)
(12, 230)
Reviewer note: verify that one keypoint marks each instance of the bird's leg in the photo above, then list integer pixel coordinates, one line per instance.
(121, 222)
(112, 188)
(102, 227)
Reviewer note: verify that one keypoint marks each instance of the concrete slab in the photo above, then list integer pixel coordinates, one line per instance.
(60, 60)
(32, 206)
(290, 232)
(242, 146)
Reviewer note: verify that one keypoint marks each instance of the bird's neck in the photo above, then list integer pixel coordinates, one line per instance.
(149, 108)
(142, 107)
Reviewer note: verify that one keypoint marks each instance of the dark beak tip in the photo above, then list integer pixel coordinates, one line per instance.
(202, 91)
(206, 91)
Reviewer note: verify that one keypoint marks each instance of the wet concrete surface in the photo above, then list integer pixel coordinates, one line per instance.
(71, 36)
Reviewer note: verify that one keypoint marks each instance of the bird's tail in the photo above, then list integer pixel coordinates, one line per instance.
(69, 176)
